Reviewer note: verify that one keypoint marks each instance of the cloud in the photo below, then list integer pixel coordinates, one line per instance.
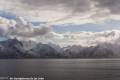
(20, 27)
(3, 30)
(112, 5)
(90, 38)
(59, 12)
(24, 30)
(74, 5)
(63, 11)
(5, 25)
(80, 38)
(55, 11)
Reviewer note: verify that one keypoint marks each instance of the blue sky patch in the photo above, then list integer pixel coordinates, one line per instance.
(7, 15)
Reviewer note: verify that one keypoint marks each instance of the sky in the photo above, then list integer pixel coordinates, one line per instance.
(53, 20)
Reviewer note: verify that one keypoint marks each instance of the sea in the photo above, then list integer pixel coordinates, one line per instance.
(61, 69)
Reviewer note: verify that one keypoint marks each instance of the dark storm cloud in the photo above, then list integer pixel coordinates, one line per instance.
(112, 5)
(73, 5)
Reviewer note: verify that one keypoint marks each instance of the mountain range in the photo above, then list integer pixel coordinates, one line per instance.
(13, 48)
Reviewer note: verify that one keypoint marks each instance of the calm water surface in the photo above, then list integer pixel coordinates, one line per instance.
(62, 69)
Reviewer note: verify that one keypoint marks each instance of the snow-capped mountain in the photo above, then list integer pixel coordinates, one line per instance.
(13, 48)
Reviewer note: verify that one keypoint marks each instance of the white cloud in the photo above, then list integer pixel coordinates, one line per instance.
(80, 38)
(91, 38)
(84, 38)
(75, 11)
(24, 30)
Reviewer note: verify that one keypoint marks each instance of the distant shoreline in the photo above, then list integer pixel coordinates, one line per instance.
(58, 58)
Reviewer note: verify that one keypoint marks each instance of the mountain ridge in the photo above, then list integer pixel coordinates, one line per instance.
(13, 48)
